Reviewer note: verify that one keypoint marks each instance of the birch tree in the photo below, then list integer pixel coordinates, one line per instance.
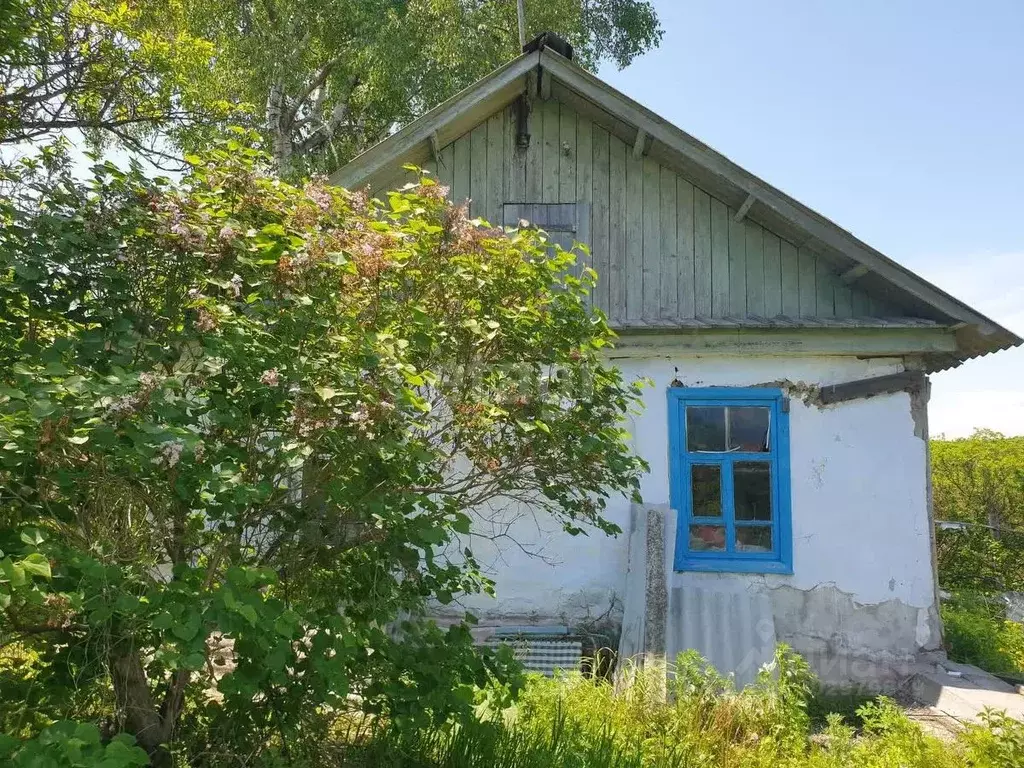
(328, 78)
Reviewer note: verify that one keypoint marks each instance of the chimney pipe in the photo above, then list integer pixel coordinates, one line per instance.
(552, 41)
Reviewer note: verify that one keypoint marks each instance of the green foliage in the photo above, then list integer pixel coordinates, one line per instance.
(114, 70)
(998, 742)
(587, 723)
(844, 701)
(979, 479)
(320, 79)
(977, 632)
(75, 745)
(244, 427)
(337, 75)
(976, 560)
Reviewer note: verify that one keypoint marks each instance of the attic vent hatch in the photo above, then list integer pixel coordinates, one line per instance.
(551, 41)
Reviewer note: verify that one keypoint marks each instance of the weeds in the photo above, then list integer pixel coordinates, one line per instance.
(702, 722)
(977, 632)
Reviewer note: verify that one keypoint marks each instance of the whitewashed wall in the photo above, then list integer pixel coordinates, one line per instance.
(859, 500)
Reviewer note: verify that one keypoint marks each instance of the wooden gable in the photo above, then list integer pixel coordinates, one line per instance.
(666, 250)
(681, 236)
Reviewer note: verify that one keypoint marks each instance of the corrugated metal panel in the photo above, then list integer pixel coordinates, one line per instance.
(732, 628)
(543, 655)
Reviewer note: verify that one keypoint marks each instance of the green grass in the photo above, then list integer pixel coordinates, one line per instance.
(575, 722)
(978, 633)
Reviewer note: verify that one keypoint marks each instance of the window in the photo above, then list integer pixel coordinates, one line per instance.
(730, 479)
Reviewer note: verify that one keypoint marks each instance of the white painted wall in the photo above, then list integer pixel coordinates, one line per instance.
(860, 519)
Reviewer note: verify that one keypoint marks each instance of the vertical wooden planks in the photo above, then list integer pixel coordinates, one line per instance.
(685, 248)
(668, 298)
(652, 238)
(772, 274)
(584, 192)
(701, 253)
(860, 303)
(719, 258)
(843, 298)
(478, 170)
(808, 287)
(567, 154)
(494, 194)
(755, 268)
(633, 270)
(551, 151)
(617, 228)
(585, 160)
(513, 173)
(460, 170)
(737, 267)
(599, 248)
(823, 281)
(445, 169)
(790, 267)
(535, 154)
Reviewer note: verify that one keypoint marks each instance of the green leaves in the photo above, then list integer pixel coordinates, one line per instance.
(256, 456)
(74, 745)
(36, 564)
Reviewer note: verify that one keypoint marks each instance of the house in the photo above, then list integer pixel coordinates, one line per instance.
(788, 497)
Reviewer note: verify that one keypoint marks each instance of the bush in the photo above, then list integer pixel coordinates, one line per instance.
(977, 632)
(245, 428)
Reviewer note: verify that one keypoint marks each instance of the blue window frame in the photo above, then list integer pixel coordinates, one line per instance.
(730, 479)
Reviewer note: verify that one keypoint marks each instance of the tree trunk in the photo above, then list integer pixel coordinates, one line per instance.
(141, 718)
(152, 728)
(280, 141)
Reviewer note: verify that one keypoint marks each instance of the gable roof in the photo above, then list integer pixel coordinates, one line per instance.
(552, 75)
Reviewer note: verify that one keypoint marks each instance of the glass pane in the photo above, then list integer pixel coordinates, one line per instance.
(752, 490)
(751, 538)
(706, 480)
(749, 429)
(707, 538)
(705, 429)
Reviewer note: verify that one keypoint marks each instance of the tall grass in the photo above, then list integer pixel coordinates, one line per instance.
(576, 722)
(978, 632)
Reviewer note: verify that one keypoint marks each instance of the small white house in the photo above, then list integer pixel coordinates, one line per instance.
(788, 497)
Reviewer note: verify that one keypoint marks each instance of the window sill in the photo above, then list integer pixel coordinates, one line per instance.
(728, 565)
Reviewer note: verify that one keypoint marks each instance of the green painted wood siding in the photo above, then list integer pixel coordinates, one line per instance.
(664, 249)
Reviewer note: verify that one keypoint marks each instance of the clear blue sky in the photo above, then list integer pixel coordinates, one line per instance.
(901, 120)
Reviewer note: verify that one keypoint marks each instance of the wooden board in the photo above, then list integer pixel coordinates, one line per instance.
(634, 225)
(685, 248)
(652, 238)
(719, 258)
(772, 274)
(668, 302)
(701, 253)
(663, 248)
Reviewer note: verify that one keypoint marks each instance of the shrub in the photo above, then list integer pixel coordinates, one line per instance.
(977, 632)
(230, 406)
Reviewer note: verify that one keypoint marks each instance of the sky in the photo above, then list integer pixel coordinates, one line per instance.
(900, 120)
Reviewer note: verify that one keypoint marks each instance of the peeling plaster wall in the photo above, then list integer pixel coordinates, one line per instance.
(863, 579)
